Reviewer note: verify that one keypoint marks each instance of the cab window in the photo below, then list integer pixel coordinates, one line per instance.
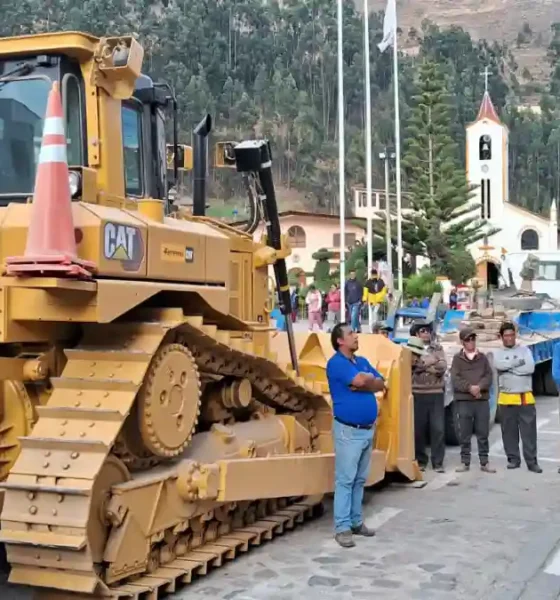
(73, 118)
(132, 150)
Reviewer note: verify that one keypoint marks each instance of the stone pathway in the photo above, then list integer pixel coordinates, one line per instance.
(466, 536)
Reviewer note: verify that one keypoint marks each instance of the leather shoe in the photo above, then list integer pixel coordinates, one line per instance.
(344, 539)
(363, 530)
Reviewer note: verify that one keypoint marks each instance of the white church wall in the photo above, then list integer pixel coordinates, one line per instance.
(512, 226)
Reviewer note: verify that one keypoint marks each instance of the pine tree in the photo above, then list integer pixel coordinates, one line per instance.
(443, 220)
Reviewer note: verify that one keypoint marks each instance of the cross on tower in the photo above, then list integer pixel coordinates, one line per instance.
(486, 77)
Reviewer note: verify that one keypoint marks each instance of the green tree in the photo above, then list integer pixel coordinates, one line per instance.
(322, 271)
(422, 285)
(270, 69)
(460, 266)
(443, 217)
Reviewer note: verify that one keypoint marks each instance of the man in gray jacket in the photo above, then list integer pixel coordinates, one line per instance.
(518, 414)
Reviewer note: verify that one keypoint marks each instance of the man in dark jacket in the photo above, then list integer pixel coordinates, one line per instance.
(353, 299)
(428, 383)
(471, 378)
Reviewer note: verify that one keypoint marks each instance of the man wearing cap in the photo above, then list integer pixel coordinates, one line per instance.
(471, 378)
(428, 383)
(382, 329)
(353, 383)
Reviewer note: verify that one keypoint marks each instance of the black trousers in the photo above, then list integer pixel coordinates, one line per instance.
(429, 416)
(474, 417)
(517, 420)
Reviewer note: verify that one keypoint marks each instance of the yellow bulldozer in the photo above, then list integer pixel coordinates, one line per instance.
(152, 422)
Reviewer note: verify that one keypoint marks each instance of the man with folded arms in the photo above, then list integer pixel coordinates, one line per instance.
(518, 414)
(471, 378)
(353, 383)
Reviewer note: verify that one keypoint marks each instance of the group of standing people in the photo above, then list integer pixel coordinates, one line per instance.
(327, 306)
(353, 383)
(471, 380)
(373, 292)
(319, 306)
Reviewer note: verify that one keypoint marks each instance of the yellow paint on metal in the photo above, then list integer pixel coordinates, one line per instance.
(151, 422)
(395, 431)
(224, 156)
(395, 428)
(16, 420)
(153, 209)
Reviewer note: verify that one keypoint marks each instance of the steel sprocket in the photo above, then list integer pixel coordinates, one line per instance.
(168, 404)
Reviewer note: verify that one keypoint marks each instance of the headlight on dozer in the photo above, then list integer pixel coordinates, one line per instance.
(75, 181)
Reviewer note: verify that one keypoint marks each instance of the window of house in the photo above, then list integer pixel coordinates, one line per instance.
(375, 202)
(350, 239)
(132, 150)
(529, 240)
(296, 235)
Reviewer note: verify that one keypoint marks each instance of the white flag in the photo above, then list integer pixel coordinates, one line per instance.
(389, 26)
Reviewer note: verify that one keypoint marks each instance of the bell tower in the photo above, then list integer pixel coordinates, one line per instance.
(487, 160)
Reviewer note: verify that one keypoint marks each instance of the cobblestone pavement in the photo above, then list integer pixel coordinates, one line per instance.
(468, 536)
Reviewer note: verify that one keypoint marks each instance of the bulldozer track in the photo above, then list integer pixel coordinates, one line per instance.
(51, 520)
(200, 560)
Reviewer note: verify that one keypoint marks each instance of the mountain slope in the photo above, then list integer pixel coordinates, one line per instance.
(500, 20)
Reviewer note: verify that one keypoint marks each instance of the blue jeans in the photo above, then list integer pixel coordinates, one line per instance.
(354, 310)
(352, 462)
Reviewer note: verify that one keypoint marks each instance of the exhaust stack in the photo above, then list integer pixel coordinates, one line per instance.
(200, 165)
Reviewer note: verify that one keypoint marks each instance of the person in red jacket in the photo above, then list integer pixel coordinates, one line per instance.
(333, 304)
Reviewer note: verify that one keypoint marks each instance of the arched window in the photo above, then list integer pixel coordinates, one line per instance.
(485, 147)
(529, 240)
(296, 235)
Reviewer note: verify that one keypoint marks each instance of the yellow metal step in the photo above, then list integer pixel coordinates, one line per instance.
(104, 385)
(47, 539)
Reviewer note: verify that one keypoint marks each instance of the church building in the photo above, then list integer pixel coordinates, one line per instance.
(487, 155)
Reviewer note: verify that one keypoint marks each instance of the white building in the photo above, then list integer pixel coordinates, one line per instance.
(487, 155)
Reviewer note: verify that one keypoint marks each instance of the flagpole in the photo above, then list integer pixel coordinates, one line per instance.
(388, 244)
(398, 156)
(368, 151)
(341, 185)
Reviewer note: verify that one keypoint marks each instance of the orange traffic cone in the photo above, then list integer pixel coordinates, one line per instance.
(51, 243)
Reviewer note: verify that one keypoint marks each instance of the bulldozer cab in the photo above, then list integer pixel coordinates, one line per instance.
(107, 104)
(145, 151)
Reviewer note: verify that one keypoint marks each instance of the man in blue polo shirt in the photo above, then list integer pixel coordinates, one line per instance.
(352, 384)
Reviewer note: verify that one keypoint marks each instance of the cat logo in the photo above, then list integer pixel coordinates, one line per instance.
(123, 243)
